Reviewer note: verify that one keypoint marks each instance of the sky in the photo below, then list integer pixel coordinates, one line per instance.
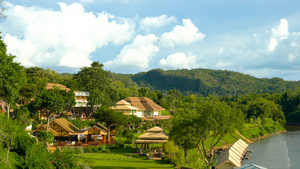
(254, 37)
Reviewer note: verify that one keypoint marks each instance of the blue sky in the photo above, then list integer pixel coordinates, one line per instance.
(260, 38)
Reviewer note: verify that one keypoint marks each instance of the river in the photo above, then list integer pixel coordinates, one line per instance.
(281, 151)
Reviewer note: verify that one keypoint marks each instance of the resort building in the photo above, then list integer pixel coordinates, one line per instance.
(63, 130)
(139, 106)
(81, 108)
(81, 98)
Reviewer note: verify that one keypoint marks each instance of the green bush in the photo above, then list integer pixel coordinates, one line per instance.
(37, 157)
(91, 149)
(79, 150)
(64, 160)
(112, 146)
(105, 151)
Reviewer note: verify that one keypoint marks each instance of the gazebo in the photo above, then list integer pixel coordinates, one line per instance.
(155, 135)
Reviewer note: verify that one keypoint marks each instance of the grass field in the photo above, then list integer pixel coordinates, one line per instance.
(119, 161)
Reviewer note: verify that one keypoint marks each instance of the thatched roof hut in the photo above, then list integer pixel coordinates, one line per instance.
(153, 135)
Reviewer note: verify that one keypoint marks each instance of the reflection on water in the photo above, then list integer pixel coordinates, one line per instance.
(279, 152)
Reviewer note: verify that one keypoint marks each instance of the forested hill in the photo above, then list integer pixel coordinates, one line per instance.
(206, 81)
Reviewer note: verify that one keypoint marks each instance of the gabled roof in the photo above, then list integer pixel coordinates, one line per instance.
(62, 87)
(123, 105)
(41, 127)
(143, 103)
(65, 124)
(233, 155)
(113, 132)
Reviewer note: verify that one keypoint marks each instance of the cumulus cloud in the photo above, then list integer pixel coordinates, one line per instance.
(137, 55)
(181, 35)
(63, 38)
(268, 53)
(279, 32)
(179, 60)
(149, 23)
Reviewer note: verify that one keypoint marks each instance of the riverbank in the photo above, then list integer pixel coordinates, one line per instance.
(267, 135)
(253, 135)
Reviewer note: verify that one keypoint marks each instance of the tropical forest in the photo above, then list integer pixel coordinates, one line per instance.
(208, 109)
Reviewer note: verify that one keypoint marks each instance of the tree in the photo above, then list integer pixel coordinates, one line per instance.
(263, 108)
(143, 91)
(213, 120)
(173, 96)
(183, 131)
(12, 77)
(9, 130)
(21, 114)
(53, 102)
(92, 78)
(95, 98)
(110, 117)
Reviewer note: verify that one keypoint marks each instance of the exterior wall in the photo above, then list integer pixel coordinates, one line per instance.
(81, 99)
(139, 113)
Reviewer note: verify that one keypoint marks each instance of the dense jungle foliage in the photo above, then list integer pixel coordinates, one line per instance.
(206, 82)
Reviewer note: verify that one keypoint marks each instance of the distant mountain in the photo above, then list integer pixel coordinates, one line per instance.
(206, 81)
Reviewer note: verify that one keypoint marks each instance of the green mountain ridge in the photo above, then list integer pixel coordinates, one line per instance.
(210, 82)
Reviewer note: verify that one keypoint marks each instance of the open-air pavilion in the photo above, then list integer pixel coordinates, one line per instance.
(65, 132)
(155, 135)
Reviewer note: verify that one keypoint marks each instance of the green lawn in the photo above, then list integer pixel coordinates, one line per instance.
(119, 161)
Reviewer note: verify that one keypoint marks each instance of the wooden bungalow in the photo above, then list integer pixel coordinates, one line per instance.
(155, 135)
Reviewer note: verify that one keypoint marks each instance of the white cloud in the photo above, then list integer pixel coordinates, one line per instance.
(62, 38)
(149, 23)
(137, 55)
(181, 35)
(267, 53)
(279, 32)
(179, 60)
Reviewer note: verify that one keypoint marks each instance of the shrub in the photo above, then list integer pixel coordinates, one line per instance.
(79, 150)
(113, 146)
(105, 151)
(37, 157)
(64, 160)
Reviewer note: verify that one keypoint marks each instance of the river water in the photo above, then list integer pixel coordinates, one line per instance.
(281, 151)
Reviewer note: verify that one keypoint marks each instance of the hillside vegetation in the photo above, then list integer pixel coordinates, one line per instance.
(215, 82)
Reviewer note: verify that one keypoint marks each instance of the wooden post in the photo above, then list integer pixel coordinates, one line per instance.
(86, 139)
(142, 146)
(104, 138)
